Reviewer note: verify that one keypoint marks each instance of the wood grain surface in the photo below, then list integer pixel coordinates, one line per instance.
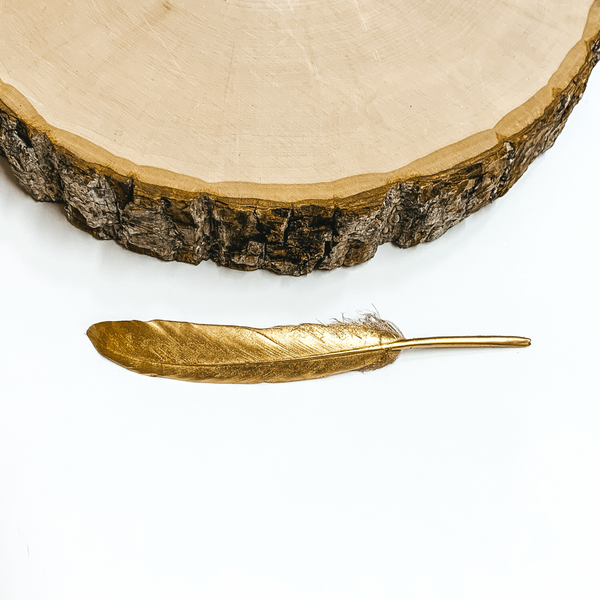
(284, 135)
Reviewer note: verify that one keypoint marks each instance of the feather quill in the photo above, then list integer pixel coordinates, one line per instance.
(229, 354)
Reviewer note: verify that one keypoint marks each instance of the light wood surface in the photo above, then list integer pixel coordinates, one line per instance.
(288, 92)
(287, 136)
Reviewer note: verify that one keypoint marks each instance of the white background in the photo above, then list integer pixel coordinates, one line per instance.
(462, 474)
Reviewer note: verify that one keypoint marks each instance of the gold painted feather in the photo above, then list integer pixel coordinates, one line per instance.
(228, 354)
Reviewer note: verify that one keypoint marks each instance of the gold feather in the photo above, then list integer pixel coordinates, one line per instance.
(227, 354)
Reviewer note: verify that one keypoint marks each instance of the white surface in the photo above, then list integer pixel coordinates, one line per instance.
(451, 474)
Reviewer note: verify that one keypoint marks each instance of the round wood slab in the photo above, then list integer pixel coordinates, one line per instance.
(284, 134)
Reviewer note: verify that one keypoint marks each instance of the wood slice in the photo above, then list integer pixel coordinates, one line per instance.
(284, 134)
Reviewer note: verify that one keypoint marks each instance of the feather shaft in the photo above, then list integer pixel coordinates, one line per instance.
(479, 341)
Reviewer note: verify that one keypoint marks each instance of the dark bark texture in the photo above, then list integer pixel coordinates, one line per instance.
(285, 240)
